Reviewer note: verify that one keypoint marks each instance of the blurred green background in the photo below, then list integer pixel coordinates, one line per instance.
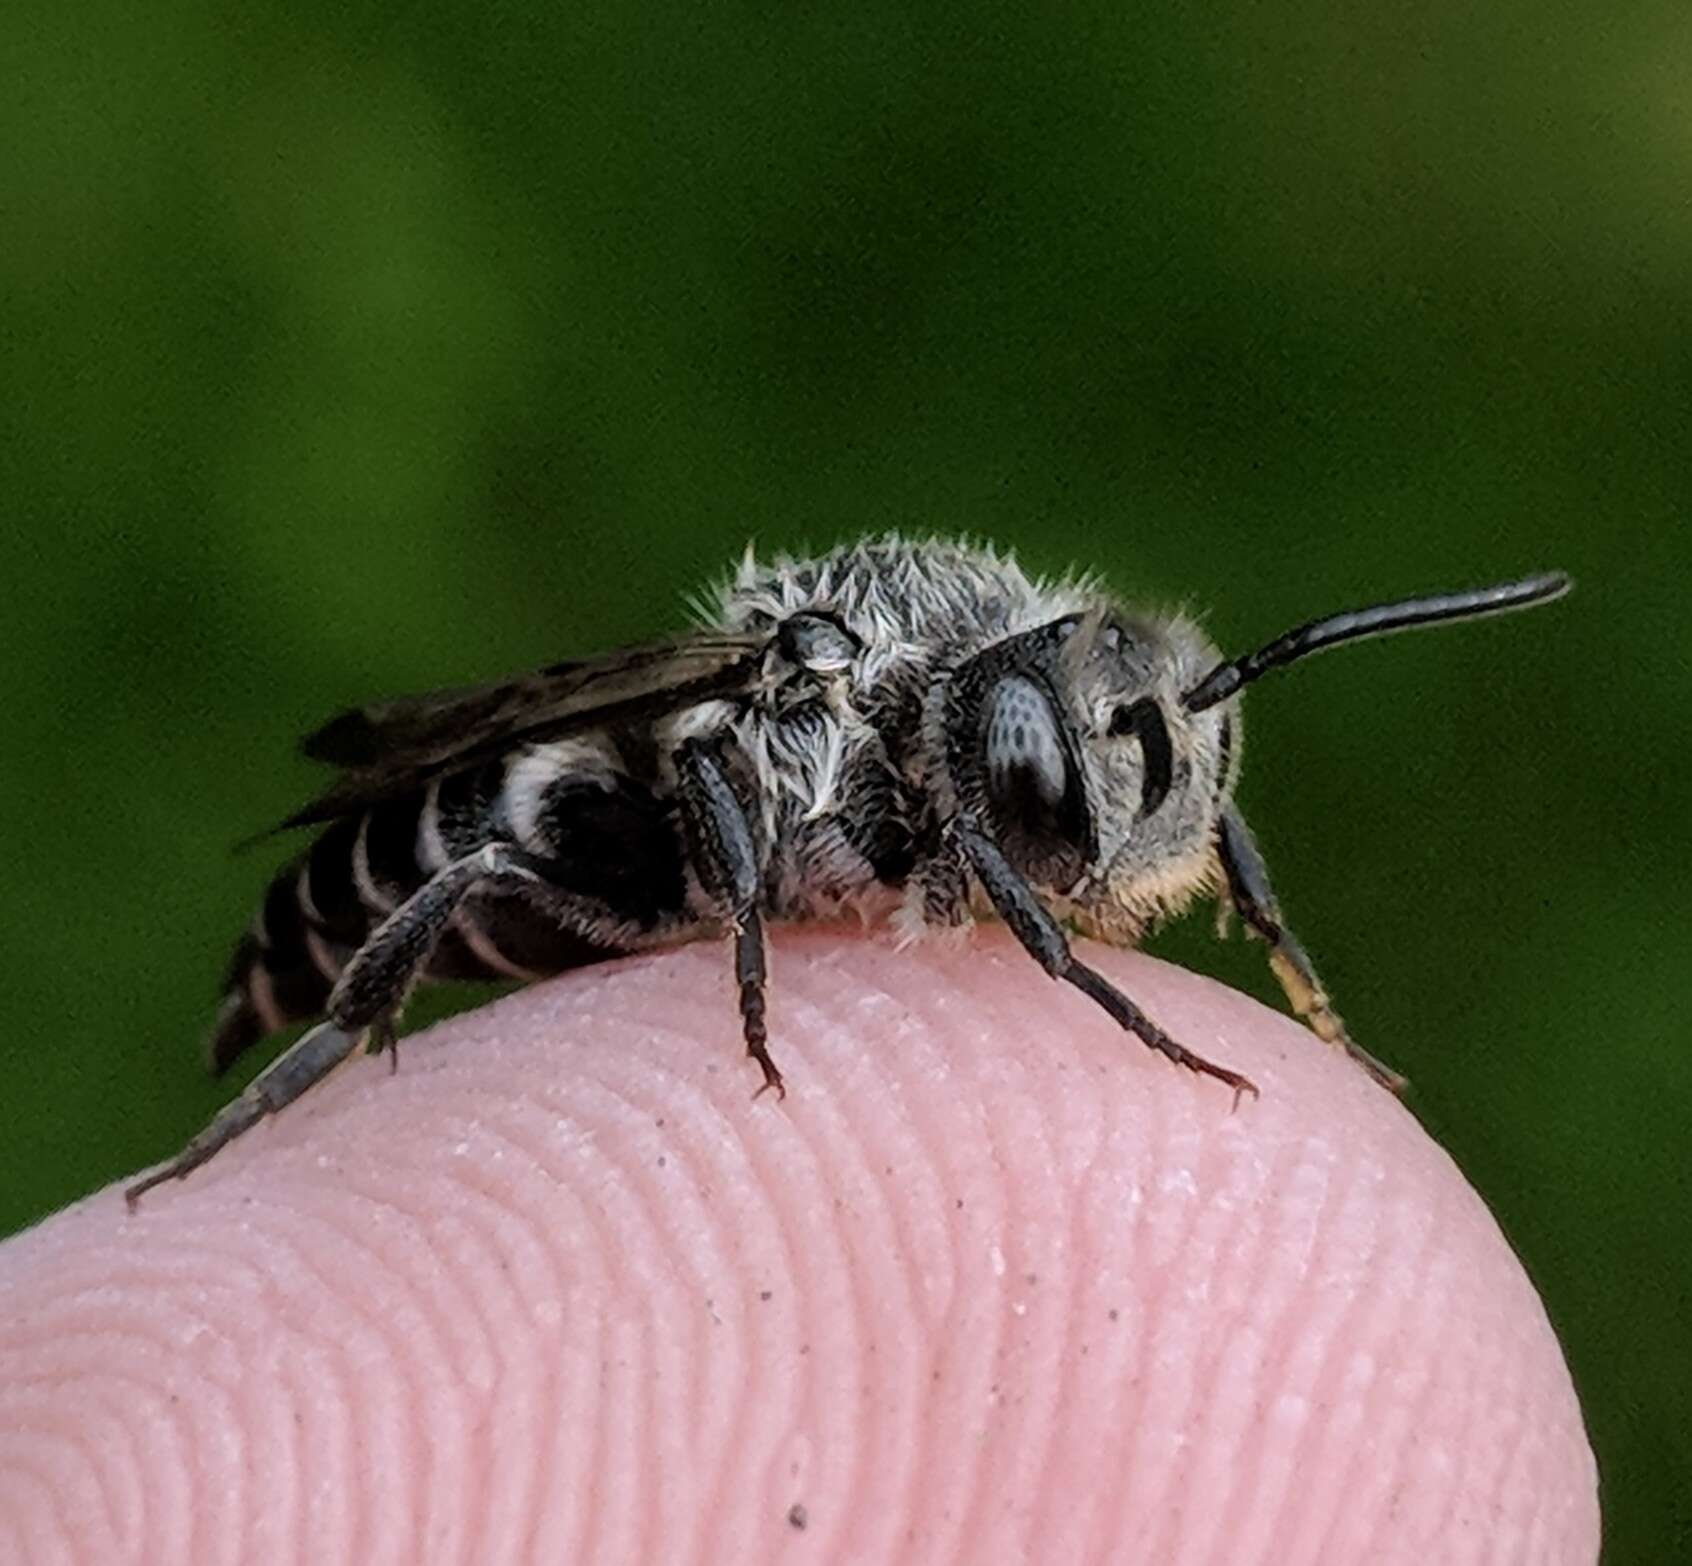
(347, 350)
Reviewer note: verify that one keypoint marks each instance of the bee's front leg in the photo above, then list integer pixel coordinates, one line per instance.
(1042, 937)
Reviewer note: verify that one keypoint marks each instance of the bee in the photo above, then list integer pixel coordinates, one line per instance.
(918, 733)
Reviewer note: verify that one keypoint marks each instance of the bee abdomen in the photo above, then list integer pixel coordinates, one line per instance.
(324, 906)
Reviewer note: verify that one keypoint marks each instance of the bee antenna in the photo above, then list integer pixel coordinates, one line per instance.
(1353, 624)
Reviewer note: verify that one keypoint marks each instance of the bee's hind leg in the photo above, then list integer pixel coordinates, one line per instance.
(1254, 899)
(305, 1062)
(363, 1002)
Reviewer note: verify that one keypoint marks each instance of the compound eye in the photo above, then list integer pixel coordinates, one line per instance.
(1033, 780)
(1144, 720)
(1025, 756)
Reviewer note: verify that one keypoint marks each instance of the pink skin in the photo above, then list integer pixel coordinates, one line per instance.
(993, 1284)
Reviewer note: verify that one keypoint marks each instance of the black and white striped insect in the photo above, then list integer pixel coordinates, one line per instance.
(916, 732)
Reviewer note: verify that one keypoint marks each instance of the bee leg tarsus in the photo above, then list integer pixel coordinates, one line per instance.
(1255, 901)
(1392, 1081)
(1042, 938)
(750, 974)
(304, 1063)
(1097, 987)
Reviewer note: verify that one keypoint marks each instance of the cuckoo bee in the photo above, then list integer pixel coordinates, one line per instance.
(918, 732)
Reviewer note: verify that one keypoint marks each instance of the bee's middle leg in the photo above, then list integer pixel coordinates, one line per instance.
(727, 856)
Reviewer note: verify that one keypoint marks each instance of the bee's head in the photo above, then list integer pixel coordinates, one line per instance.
(1071, 745)
(1099, 749)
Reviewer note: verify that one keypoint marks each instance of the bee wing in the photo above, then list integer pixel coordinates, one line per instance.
(392, 747)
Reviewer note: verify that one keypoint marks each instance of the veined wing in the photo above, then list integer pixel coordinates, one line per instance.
(392, 747)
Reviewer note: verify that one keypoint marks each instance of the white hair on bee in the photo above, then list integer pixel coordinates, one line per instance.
(533, 770)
